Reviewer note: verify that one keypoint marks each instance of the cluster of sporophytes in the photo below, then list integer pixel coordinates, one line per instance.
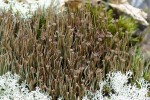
(67, 53)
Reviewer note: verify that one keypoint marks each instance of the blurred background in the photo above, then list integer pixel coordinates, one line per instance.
(143, 4)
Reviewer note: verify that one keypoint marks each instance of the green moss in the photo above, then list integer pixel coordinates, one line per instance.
(42, 23)
(127, 24)
(138, 64)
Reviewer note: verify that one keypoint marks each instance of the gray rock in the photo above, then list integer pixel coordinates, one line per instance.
(145, 45)
(143, 4)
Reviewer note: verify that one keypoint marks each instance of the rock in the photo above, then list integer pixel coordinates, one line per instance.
(142, 4)
(145, 44)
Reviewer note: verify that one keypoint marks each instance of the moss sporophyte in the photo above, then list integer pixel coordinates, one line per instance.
(67, 53)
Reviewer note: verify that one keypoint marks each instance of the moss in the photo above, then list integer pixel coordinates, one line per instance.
(42, 23)
(68, 52)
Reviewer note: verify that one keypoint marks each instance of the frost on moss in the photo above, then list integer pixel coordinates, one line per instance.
(11, 90)
(119, 88)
